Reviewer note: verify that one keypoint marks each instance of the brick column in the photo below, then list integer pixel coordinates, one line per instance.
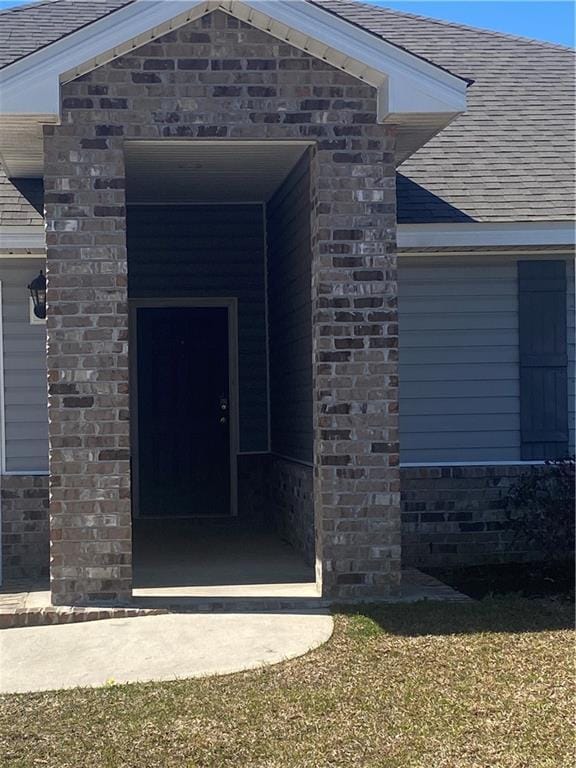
(90, 522)
(355, 333)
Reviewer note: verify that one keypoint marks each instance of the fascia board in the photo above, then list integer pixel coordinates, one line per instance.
(409, 96)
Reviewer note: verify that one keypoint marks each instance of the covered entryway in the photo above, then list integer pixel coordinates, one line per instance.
(317, 319)
(219, 288)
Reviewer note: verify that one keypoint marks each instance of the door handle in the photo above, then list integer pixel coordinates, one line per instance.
(223, 410)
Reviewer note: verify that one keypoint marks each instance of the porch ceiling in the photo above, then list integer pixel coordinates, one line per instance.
(207, 171)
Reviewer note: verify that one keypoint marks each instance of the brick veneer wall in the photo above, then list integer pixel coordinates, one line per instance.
(456, 516)
(451, 516)
(290, 486)
(25, 535)
(217, 77)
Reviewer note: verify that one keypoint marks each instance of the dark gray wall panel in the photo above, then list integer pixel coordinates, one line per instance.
(290, 318)
(210, 251)
(543, 359)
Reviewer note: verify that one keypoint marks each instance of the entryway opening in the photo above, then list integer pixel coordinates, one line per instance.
(219, 287)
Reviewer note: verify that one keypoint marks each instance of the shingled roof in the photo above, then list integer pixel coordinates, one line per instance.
(509, 158)
(27, 28)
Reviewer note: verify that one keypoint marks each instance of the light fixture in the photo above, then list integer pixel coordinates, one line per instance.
(37, 290)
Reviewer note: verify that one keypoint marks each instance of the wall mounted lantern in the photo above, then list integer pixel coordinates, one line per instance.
(37, 290)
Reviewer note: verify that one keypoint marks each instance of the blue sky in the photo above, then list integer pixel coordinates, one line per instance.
(551, 20)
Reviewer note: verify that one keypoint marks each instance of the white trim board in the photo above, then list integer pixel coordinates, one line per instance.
(412, 92)
(479, 234)
(26, 473)
(424, 464)
(485, 253)
(31, 240)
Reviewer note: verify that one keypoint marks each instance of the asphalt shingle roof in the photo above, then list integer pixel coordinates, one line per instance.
(509, 158)
(27, 28)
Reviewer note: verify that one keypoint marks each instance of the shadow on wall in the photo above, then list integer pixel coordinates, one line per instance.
(495, 615)
(33, 191)
(417, 205)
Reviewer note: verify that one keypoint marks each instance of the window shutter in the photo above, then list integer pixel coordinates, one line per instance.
(543, 359)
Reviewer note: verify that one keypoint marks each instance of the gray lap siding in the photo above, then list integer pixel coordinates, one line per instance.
(290, 316)
(459, 358)
(24, 354)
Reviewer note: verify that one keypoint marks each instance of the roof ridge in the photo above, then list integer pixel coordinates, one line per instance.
(458, 25)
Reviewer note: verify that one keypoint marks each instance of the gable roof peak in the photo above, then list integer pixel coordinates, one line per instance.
(415, 94)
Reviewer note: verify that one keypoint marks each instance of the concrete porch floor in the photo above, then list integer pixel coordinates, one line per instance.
(215, 559)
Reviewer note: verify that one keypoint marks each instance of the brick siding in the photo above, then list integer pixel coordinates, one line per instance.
(456, 516)
(25, 536)
(218, 77)
(451, 516)
(290, 486)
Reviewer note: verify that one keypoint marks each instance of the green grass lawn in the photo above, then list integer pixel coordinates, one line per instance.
(431, 685)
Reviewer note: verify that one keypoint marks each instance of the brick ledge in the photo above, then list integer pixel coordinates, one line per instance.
(35, 617)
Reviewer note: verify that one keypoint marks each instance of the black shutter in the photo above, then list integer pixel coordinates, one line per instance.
(543, 359)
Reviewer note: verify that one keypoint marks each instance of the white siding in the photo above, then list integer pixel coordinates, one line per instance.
(25, 398)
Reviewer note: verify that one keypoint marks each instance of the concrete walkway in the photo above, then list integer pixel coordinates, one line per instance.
(166, 647)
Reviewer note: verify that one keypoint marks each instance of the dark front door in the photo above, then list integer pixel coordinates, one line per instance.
(183, 411)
